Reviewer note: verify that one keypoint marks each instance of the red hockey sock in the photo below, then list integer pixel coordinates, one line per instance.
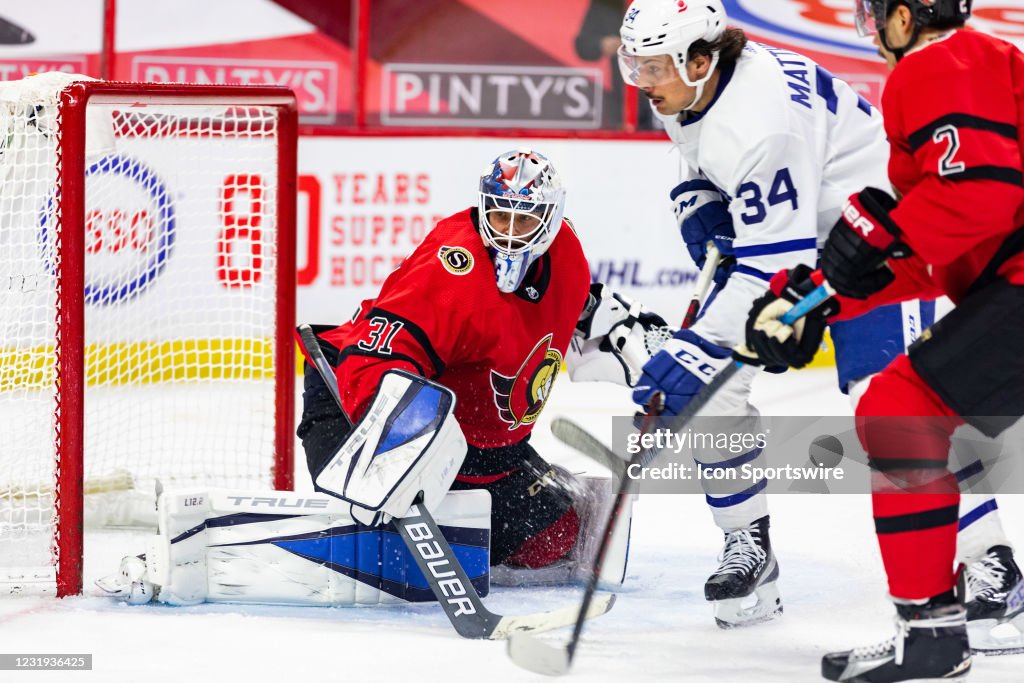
(917, 537)
(905, 428)
(548, 545)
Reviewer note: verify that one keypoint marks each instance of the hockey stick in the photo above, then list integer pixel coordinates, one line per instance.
(540, 657)
(707, 274)
(571, 434)
(537, 656)
(436, 560)
(578, 438)
(801, 308)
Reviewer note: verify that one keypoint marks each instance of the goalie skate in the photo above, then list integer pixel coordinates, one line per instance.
(995, 609)
(743, 588)
(130, 583)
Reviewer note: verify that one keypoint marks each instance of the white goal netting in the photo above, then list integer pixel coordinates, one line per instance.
(179, 295)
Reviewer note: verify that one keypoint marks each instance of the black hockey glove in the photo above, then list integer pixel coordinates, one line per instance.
(775, 343)
(853, 260)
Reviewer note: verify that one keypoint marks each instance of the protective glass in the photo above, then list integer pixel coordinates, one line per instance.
(869, 17)
(647, 71)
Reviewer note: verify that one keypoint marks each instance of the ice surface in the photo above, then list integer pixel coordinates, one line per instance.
(660, 628)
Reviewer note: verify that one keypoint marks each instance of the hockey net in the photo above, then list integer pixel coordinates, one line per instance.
(146, 305)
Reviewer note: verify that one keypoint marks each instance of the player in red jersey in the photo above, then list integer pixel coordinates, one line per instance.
(485, 306)
(957, 142)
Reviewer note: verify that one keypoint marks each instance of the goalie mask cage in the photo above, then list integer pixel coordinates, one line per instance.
(146, 303)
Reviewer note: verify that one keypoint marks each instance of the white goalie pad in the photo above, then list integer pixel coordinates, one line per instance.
(277, 547)
(594, 519)
(408, 441)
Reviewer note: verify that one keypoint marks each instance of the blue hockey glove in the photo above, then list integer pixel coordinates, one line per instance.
(684, 365)
(703, 217)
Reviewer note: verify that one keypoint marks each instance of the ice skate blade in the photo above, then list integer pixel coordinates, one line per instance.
(990, 638)
(730, 614)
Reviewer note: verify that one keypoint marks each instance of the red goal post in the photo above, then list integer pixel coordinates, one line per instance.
(153, 274)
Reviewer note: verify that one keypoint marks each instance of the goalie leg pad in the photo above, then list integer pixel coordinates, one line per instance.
(275, 547)
(597, 505)
(407, 442)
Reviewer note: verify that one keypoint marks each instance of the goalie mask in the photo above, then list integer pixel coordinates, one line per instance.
(521, 204)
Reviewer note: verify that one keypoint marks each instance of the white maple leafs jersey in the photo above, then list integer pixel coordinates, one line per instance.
(786, 143)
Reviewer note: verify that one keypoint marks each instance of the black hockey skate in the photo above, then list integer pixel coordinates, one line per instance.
(743, 587)
(930, 645)
(995, 605)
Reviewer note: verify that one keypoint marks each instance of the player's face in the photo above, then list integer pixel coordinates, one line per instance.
(659, 80)
(512, 224)
(890, 58)
(899, 28)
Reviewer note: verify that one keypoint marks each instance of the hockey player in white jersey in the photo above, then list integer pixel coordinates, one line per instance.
(773, 146)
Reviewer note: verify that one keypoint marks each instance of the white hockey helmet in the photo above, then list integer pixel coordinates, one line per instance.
(668, 27)
(522, 200)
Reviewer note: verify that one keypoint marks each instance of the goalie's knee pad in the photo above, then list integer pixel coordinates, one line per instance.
(407, 443)
(276, 547)
(530, 501)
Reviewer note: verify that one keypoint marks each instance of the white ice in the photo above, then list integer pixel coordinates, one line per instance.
(660, 629)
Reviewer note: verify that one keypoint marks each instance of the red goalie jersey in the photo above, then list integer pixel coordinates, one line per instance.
(956, 159)
(440, 315)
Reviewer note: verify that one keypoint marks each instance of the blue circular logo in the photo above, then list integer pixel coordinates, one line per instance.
(126, 249)
(827, 25)
(795, 21)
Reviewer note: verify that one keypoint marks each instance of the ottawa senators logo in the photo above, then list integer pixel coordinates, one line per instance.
(521, 398)
(456, 260)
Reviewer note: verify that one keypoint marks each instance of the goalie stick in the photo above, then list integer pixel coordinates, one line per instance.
(433, 555)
